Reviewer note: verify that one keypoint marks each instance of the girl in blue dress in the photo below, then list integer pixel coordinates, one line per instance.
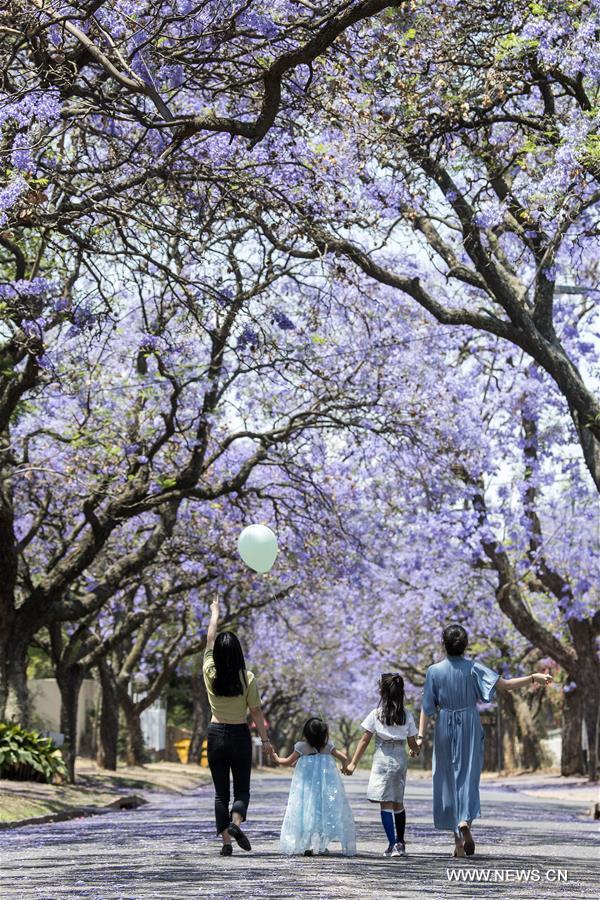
(452, 690)
(318, 811)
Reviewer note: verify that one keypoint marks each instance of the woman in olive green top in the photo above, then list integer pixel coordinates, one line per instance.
(232, 690)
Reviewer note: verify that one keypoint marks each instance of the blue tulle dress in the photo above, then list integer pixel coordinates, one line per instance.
(318, 812)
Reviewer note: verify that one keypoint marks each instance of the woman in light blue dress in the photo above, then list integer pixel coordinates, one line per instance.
(453, 687)
(318, 812)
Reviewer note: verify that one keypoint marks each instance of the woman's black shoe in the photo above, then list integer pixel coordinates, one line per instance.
(308, 853)
(226, 850)
(237, 834)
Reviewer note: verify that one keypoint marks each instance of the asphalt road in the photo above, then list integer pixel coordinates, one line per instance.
(526, 847)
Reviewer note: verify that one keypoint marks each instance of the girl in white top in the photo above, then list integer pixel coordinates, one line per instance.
(393, 727)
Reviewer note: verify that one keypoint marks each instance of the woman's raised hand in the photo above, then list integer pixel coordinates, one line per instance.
(541, 678)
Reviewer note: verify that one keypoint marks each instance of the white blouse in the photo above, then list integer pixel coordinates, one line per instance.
(385, 732)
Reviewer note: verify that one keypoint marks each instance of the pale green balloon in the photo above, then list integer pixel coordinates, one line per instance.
(257, 545)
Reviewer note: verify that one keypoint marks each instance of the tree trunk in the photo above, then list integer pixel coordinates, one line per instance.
(13, 652)
(69, 682)
(348, 733)
(16, 706)
(571, 761)
(134, 738)
(532, 754)
(201, 717)
(508, 738)
(108, 732)
(591, 716)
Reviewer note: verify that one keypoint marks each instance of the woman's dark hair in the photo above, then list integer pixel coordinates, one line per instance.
(230, 666)
(455, 640)
(391, 687)
(316, 733)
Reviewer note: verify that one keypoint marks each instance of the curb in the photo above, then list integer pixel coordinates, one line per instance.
(128, 801)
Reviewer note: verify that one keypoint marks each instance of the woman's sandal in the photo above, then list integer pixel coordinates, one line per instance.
(457, 854)
(468, 842)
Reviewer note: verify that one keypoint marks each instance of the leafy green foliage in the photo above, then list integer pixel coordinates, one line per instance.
(28, 756)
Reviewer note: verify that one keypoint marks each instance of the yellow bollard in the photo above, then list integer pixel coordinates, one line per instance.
(182, 749)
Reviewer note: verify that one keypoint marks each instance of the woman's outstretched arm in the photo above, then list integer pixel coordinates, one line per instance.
(513, 684)
(213, 625)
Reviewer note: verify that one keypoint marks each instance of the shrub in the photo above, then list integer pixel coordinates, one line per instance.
(28, 756)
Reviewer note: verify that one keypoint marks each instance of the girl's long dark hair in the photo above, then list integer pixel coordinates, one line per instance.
(229, 665)
(392, 700)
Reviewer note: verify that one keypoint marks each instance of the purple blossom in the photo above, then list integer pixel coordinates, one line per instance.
(10, 195)
(148, 343)
(283, 322)
(34, 327)
(41, 107)
(247, 337)
(21, 156)
(27, 288)
(225, 296)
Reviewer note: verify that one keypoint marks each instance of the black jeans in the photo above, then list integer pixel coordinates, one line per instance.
(230, 750)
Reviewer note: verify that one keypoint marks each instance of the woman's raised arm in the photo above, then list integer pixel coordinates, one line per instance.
(213, 625)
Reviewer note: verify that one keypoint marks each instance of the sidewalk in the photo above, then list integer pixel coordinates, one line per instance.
(96, 790)
(549, 786)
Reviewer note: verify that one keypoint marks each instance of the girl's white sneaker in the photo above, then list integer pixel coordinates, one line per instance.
(390, 850)
(398, 850)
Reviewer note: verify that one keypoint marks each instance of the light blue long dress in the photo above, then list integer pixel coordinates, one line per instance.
(452, 688)
(318, 812)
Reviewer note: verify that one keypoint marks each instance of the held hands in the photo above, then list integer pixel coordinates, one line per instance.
(270, 752)
(414, 745)
(349, 768)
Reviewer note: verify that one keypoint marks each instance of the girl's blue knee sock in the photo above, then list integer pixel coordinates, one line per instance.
(387, 820)
(400, 818)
